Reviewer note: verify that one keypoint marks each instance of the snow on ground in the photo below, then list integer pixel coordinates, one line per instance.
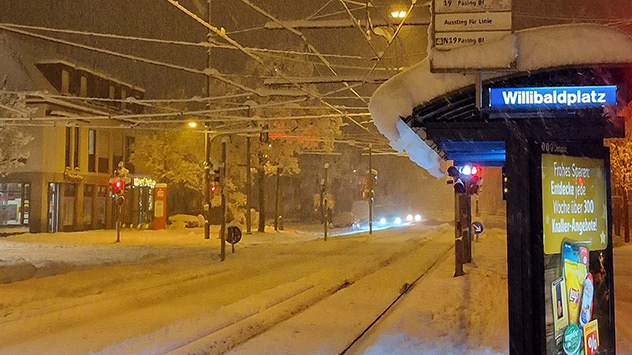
(38, 255)
(280, 293)
(172, 295)
(447, 315)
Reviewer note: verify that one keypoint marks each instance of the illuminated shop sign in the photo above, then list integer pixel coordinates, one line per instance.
(552, 97)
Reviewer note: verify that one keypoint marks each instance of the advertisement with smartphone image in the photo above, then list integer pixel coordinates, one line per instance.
(575, 241)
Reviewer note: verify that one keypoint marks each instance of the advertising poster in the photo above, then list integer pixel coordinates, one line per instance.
(575, 240)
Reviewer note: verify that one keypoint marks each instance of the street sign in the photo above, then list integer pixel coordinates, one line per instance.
(485, 21)
(443, 6)
(233, 234)
(452, 40)
(477, 227)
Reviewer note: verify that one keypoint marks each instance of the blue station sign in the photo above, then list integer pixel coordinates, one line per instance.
(563, 97)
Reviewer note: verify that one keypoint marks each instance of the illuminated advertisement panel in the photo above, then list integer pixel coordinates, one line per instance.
(576, 244)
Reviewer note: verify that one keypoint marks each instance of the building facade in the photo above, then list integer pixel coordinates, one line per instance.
(63, 185)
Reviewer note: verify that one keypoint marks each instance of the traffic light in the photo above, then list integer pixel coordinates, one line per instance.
(213, 188)
(117, 186)
(466, 177)
(368, 186)
(264, 136)
(459, 185)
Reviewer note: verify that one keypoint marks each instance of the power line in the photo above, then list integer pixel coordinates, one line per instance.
(212, 73)
(172, 42)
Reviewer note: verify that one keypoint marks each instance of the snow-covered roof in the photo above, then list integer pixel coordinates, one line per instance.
(18, 70)
(531, 49)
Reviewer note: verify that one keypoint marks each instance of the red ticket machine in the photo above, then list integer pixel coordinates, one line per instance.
(160, 206)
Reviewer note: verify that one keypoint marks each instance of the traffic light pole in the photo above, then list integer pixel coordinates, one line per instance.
(371, 189)
(207, 143)
(248, 184)
(326, 202)
(223, 194)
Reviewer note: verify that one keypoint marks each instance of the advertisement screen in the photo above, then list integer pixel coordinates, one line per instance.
(575, 239)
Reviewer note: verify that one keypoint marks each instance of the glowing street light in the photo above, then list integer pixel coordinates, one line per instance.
(192, 124)
(398, 14)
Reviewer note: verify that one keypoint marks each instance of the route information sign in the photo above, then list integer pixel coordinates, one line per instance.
(573, 202)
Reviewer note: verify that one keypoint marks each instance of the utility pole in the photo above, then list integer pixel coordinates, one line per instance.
(248, 183)
(325, 201)
(207, 148)
(276, 200)
(371, 189)
(262, 206)
(223, 195)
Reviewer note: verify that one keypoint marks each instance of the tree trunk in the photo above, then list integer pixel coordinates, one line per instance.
(262, 212)
(626, 217)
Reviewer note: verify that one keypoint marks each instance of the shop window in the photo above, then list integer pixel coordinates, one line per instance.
(70, 192)
(88, 198)
(102, 192)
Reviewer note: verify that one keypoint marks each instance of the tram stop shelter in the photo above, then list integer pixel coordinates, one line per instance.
(543, 119)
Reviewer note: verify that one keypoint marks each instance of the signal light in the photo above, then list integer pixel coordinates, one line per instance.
(213, 188)
(117, 186)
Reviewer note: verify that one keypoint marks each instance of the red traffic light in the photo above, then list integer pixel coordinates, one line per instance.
(119, 184)
(477, 170)
(213, 188)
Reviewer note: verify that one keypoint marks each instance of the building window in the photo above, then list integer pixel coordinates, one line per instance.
(76, 155)
(84, 86)
(68, 146)
(104, 165)
(92, 150)
(65, 81)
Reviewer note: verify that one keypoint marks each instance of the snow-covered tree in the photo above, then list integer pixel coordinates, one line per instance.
(13, 140)
(621, 168)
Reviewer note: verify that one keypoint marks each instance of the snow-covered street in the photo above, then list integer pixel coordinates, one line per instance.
(158, 298)
(280, 293)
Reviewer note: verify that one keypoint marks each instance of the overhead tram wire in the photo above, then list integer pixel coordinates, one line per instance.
(212, 73)
(258, 60)
(171, 42)
(401, 24)
(302, 37)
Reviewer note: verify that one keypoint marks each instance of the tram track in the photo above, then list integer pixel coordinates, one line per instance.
(109, 305)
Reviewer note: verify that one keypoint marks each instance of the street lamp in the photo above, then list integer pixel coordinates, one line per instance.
(398, 14)
(192, 124)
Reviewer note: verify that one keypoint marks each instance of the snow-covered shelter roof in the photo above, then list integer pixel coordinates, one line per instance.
(530, 50)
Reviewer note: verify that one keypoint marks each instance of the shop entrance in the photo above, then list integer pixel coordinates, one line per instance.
(53, 207)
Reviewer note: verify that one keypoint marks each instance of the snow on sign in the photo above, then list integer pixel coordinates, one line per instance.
(443, 6)
(465, 22)
(452, 40)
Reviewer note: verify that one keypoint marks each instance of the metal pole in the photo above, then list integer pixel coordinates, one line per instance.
(118, 225)
(207, 193)
(207, 148)
(326, 201)
(223, 194)
(262, 205)
(248, 184)
(458, 237)
(276, 200)
(371, 189)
